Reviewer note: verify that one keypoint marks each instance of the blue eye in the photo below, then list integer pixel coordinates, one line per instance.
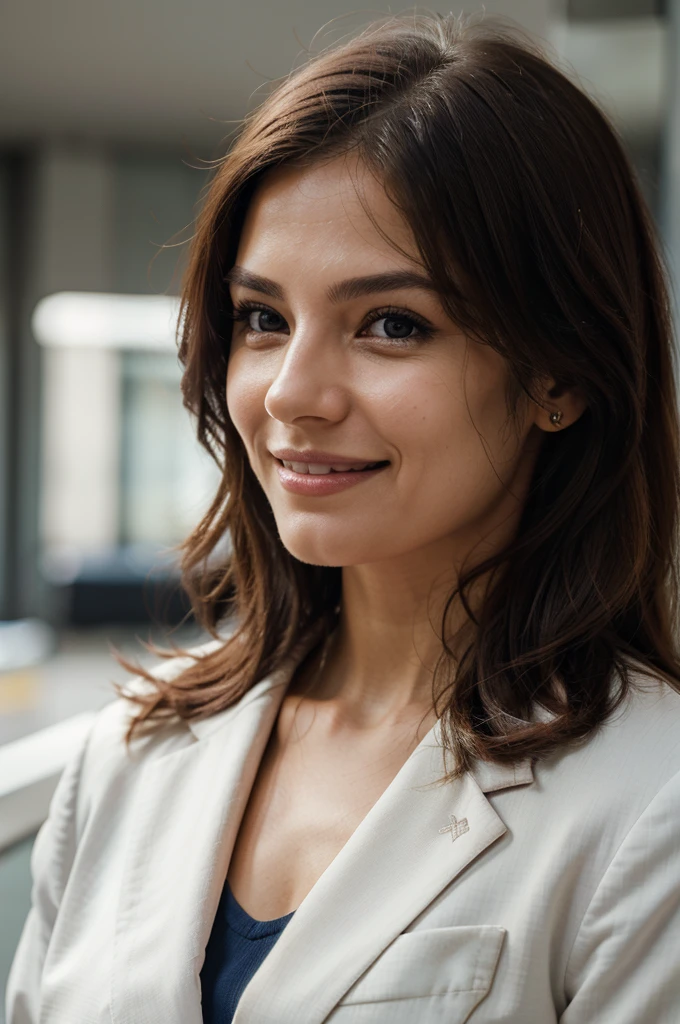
(398, 325)
(260, 319)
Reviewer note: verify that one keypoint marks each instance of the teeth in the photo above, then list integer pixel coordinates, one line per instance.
(320, 469)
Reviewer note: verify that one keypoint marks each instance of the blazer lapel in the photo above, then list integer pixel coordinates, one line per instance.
(187, 812)
(414, 841)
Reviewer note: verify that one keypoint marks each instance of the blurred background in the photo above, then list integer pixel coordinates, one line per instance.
(110, 116)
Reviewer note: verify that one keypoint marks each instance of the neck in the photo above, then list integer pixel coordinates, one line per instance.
(382, 657)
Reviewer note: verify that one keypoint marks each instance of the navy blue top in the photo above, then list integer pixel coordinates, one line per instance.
(237, 946)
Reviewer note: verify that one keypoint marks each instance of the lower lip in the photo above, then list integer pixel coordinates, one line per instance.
(318, 484)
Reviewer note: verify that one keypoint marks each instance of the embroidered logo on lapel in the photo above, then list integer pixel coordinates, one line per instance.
(455, 827)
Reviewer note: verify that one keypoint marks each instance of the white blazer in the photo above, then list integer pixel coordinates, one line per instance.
(553, 896)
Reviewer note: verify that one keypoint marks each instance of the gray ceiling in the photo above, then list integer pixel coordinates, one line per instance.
(166, 71)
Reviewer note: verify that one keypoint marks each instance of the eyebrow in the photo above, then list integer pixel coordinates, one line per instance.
(341, 291)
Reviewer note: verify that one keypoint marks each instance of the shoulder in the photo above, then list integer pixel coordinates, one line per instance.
(644, 730)
(598, 788)
(112, 721)
(107, 760)
(606, 782)
(97, 789)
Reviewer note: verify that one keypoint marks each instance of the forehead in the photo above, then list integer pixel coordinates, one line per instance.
(325, 208)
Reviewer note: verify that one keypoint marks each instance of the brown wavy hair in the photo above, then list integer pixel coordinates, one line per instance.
(530, 222)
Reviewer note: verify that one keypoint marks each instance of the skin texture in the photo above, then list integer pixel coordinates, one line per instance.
(307, 372)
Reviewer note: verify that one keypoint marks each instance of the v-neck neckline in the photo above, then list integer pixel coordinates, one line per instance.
(240, 921)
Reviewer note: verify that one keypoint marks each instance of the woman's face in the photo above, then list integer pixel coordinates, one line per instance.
(343, 358)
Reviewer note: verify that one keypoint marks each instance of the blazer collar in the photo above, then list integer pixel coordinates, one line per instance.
(188, 809)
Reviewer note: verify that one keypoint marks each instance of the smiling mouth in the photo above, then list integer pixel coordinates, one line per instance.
(323, 469)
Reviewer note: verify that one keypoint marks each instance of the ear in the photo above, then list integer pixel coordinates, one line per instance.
(557, 406)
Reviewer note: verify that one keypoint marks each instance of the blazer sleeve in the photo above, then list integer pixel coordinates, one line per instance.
(625, 962)
(51, 860)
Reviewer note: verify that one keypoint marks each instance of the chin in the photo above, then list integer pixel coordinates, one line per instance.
(320, 547)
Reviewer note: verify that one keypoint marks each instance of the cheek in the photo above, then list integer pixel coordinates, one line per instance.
(446, 420)
(246, 391)
(460, 448)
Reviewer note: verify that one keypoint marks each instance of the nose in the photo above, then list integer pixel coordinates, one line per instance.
(311, 380)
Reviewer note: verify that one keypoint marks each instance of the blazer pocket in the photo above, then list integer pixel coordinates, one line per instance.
(439, 974)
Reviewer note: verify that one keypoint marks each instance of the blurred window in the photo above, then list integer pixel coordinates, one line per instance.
(167, 481)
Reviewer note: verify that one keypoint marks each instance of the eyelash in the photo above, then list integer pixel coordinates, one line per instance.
(424, 331)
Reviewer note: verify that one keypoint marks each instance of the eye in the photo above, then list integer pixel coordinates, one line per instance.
(398, 325)
(257, 318)
(389, 324)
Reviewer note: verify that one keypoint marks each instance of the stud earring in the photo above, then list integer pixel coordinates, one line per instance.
(556, 417)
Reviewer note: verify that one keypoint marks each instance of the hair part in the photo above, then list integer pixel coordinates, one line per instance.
(528, 218)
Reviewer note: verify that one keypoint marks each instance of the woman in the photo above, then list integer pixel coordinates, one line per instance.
(432, 773)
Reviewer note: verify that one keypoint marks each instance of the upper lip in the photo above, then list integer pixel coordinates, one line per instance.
(317, 457)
